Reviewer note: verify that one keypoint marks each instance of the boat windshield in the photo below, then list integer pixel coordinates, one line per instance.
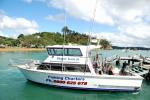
(67, 51)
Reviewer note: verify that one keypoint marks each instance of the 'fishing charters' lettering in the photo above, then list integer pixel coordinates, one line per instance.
(66, 80)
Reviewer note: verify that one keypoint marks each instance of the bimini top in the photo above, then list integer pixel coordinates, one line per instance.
(69, 50)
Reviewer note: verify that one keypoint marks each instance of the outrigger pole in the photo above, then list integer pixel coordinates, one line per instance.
(90, 32)
(64, 34)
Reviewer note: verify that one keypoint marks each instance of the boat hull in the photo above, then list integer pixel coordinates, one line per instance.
(83, 81)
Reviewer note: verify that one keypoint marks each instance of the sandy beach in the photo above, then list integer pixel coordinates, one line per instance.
(21, 49)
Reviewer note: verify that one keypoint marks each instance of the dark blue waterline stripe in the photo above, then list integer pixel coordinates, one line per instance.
(95, 89)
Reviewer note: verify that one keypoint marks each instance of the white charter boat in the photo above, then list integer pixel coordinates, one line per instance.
(72, 67)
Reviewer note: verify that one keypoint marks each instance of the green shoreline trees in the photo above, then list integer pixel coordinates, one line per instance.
(105, 44)
(42, 39)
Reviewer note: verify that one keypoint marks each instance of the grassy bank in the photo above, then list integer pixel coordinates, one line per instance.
(22, 49)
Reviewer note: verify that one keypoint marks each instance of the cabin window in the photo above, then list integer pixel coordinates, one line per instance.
(54, 67)
(44, 67)
(67, 67)
(73, 52)
(76, 68)
(67, 51)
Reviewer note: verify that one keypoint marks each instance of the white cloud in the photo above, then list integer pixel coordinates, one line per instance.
(13, 23)
(140, 30)
(130, 17)
(84, 9)
(119, 39)
(58, 17)
(107, 11)
(17, 25)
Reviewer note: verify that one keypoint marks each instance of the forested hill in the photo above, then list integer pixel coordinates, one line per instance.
(43, 39)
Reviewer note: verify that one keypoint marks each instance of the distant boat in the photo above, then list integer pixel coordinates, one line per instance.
(71, 67)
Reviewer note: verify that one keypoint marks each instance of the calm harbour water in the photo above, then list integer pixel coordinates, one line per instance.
(14, 86)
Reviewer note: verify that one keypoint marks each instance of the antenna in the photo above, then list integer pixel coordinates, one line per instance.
(92, 22)
(90, 32)
(65, 25)
(64, 34)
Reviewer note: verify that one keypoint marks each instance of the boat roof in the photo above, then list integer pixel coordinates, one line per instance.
(90, 47)
(67, 46)
(81, 47)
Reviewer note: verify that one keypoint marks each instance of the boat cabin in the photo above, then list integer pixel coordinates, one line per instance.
(66, 58)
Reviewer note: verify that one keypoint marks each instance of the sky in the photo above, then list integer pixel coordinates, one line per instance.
(122, 22)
